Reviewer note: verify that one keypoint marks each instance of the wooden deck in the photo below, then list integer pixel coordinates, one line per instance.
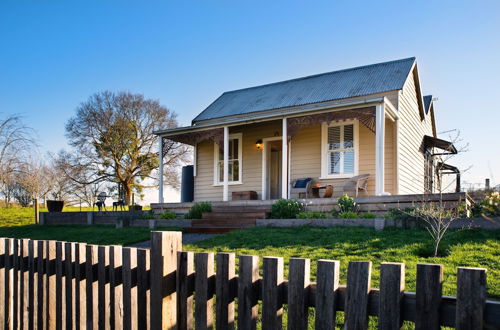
(376, 204)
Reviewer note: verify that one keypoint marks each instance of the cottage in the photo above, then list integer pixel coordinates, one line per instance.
(368, 128)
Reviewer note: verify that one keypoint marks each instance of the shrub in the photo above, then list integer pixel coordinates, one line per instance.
(348, 215)
(148, 215)
(489, 205)
(198, 209)
(368, 215)
(405, 218)
(346, 204)
(312, 215)
(168, 215)
(286, 209)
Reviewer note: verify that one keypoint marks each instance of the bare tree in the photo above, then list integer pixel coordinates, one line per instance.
(437, 221)
(113, 138)
(16, 143)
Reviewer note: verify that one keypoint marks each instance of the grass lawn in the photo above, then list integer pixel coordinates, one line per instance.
(21, 216)
(103, 235)
(474, 248)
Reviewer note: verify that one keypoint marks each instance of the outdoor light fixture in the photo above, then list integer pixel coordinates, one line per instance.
(258, 144)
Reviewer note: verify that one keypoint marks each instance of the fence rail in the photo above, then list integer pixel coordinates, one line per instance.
(65, 285)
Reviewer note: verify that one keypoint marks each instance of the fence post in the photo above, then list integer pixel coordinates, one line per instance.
(103, 296)
(4, 291)
(272, 293)
(143, 289)
(80, 293)
(37, 213)
(50, 284)
(428, 296)
(91, 294)
(116, 287)
(203, 299)
(247, 292)
(163, 308)
(326, 293)
(185, 287)
(471, 298)
(392, 286)
(224, 285)
(129, 262)
(298, 287)
(358, 289)
(90, 218)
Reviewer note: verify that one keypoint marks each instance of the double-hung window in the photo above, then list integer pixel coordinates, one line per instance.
(234, 163)
(340, 149)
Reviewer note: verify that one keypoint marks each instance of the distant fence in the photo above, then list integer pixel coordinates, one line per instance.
(63, 285)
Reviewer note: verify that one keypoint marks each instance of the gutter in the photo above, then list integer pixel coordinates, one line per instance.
(297, 111)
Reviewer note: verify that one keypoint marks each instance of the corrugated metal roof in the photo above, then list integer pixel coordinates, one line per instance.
(347, 83)
(427, 103)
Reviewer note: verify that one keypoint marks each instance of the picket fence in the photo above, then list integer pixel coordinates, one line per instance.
(65, 285)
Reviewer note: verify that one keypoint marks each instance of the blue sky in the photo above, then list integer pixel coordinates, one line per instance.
(54, 54)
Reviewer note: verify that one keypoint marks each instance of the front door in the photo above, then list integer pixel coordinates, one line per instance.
(274, 169)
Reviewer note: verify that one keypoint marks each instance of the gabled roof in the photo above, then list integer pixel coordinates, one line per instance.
(427, 103)
(330, 86)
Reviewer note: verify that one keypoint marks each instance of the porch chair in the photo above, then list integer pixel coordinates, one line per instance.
(353, 185)
(301, 187)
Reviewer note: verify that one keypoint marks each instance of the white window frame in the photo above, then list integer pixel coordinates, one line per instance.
(239, 137)
(324, 149)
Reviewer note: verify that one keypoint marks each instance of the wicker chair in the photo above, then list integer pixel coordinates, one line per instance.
(301, 188)
(353, 185)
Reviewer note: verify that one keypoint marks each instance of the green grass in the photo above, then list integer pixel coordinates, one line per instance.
(21, 216)
(473, 248)
(97, 234)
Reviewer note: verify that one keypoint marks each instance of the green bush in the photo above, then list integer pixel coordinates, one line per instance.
(286, 209)
(148, 215)
(168, 215)
(198, 209)
(368, 215)
(346, 204)
(312, 215)
(348, 215)
(489, 205)
(405, 218)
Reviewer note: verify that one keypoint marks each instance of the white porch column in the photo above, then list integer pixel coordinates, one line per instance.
(379, 148)
(160, 171)
(225, 189)
(284, 161)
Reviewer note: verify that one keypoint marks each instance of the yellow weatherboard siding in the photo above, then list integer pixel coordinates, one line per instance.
(305, 159)
(411, 133)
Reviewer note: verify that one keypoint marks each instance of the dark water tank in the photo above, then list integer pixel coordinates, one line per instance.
(187, 184)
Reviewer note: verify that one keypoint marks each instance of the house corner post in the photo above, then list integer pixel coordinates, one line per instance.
(379, 148)
(225, 190)
(284, 160)
(160, 171)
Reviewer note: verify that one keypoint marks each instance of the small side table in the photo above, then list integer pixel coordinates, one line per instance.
(326, 194)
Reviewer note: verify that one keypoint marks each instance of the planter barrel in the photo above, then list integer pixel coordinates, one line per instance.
(55, 206)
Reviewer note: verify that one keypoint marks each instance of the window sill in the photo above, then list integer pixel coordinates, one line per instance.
(337, 176)
(231, 183)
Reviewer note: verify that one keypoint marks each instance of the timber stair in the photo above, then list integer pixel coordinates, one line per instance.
(224, 219)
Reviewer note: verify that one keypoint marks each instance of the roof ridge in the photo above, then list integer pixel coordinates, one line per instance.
(321, 74)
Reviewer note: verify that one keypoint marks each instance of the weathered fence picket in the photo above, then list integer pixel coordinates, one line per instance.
(248, 292)
(224, 290)
(204, 290)
(65, 285)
